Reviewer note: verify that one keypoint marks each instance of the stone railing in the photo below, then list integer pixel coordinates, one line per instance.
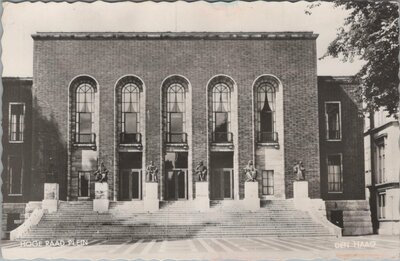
(33, 220)
(317, 212)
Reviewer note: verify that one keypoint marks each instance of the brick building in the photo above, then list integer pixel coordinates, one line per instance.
(17, 149)
(175, 99)
(382, 171)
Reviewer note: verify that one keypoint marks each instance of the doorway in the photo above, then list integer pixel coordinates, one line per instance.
(130, 176)
(130, 180)
(221, 175)
(337, 218)
(176, 169)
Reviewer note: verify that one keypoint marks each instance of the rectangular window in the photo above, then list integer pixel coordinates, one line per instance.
(15, 171)
(382, 205)
(335, 177)
(268, 182)
(333, 120)
(84, 184)
(380, 162)
(16, 122)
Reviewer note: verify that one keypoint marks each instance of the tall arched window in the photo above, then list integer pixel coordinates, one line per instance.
(221, 113)
(130, 114)
(175, 113)
(84, 119)
(265, 111)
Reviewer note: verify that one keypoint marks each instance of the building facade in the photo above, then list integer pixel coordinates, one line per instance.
(17, 150)
(173, 100)
(382, 171)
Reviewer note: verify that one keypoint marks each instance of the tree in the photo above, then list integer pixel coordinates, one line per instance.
(371, 33)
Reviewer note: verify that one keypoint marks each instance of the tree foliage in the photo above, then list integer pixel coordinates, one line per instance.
(371, 33)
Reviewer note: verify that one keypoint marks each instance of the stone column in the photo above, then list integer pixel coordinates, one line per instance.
(150, 201)
(202, 200)
(100, 202)
(251, 199)
(51, 196)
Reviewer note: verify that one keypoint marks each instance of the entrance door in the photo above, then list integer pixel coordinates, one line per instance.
(130, 184)
(222, 183)
(176, 181)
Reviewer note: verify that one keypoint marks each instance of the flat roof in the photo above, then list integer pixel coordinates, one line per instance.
(338, 79)
(173, 35)
(17, 78)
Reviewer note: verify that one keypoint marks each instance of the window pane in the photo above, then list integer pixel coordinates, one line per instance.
(176, 122)
(176, 160)
(266, 121)
(85, 122)
(334, 173)
(221, 122)
(15, 175)
(131, 123)
(16, 122)
(332, 111)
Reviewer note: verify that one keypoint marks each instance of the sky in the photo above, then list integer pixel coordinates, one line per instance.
(22, 20)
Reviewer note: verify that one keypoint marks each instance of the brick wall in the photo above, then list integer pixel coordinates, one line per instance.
(351, 145)
(17, 90)
(293, 61)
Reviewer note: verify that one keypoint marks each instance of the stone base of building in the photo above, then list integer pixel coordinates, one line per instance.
(50, 205)
(389, 227)
(355, 216)
(13, 214)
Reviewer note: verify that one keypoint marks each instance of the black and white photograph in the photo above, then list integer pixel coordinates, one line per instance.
(200, 130)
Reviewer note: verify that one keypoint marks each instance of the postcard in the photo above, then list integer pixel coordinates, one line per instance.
(200, 130)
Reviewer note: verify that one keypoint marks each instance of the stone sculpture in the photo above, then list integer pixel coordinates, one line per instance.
(299, 171)
(152, 172)
(101, 174)
(201, 171)
(251, 172)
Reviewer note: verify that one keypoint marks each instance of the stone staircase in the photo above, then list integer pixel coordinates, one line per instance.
(125, 220)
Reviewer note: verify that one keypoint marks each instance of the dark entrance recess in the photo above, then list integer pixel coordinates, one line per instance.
(221, 176)
(130, 175)
(176, 165)
(337, 218)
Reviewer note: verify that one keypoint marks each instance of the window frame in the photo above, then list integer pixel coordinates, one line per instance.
(167, 112)
(77, 128)
(228, 110)
(269, 186)
(327, 121)
(9, 175)
(381, 209)
(380, 167)
(136, 91)
(268, 83)
(22, 130)
(341, 173)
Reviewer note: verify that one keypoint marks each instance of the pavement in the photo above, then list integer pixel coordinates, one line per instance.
(277, 248)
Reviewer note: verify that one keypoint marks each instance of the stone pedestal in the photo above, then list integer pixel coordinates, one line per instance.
(202, 200)
(251, 199)
(51, 196)
(100, 202)
(300, 195)
(150, 200)
(300, 189)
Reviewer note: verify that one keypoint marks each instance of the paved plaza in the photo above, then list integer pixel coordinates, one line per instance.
(363, 247)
